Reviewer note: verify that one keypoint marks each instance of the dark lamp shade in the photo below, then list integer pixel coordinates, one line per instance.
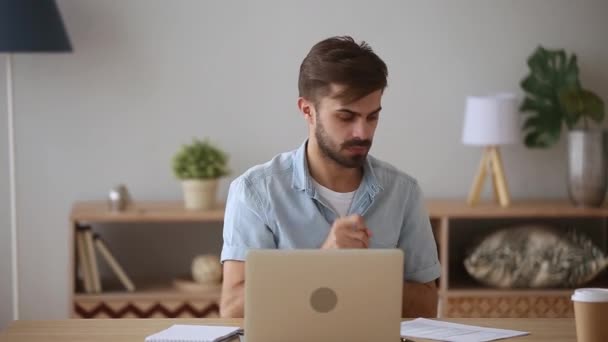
(32, 26)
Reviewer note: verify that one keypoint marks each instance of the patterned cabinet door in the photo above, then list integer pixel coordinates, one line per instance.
(512, 306)
(146, 308)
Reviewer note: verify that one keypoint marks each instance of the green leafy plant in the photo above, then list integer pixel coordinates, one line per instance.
(555, 98)
(582, 104)
(200, 160)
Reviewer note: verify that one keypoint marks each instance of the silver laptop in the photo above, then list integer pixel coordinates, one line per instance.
(322, 296)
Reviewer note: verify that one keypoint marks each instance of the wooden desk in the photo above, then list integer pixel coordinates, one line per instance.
(135, 330)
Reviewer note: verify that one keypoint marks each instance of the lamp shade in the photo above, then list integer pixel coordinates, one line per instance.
(491, 120)
(32, 26)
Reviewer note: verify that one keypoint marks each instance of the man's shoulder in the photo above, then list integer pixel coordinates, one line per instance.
(390, 176)
(277, 168)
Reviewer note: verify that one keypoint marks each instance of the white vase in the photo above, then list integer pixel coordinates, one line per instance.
(199, 194)
(587, 167)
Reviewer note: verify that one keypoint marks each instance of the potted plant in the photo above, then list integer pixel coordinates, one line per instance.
(556, 99)
(199, 165)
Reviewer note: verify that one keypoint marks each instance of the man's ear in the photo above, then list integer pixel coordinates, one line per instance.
(306, 108)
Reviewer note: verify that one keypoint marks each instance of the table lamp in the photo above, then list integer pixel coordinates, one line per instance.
(491, 121)
(25, 26)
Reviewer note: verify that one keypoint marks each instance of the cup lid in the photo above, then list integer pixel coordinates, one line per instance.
(590, 295)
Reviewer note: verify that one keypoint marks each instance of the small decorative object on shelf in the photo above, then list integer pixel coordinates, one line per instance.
(199, 166)
(207, 269)
(535, 256)
(206, 275)
(119, 198)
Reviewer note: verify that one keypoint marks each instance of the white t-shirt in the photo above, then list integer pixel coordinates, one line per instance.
(339, 201)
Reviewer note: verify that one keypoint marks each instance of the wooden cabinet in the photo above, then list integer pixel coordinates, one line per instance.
(458, 226)
(150, 298)
(455, 225)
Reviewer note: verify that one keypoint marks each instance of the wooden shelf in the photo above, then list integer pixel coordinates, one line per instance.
(458, 208)
(143, 212)
(496, 292)
(160, 291)
(468, 286)
(174, 211)
(453, 222)
(457, 225)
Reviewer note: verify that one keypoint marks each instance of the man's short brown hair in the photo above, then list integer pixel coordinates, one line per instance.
(339, 60)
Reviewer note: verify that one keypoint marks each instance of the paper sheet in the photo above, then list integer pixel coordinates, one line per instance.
(445, 331)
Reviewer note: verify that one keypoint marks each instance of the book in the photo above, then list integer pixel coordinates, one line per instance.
(114, 265)
(195, 333)
(92, 257)
(83, 261)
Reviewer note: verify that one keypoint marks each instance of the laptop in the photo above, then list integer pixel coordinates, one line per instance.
(323, 295)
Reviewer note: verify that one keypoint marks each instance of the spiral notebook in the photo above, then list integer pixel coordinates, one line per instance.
(195, 333)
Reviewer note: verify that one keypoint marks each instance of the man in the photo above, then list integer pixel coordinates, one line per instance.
(329, 193)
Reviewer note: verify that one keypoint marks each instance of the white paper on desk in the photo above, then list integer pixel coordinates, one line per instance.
(453, 332)
(193, 333)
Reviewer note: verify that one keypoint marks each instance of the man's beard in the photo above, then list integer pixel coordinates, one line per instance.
(333, 152)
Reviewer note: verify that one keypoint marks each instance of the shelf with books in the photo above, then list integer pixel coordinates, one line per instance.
(455, 226)
(117, 294)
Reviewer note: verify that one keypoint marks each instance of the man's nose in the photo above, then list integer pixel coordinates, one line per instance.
(362, 130)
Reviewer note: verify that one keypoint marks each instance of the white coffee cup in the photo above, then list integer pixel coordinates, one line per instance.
(591, 314)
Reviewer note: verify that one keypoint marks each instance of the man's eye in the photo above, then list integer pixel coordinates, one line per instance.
(346, 118)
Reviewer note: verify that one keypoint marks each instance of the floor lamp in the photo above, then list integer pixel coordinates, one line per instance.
(26, 26)
(491, 121)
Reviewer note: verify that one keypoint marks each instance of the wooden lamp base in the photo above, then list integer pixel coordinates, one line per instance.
(491, 162)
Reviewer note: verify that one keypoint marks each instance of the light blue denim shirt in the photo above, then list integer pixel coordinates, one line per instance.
(275, 205)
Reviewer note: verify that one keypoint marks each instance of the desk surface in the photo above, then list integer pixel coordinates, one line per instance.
(123, 330)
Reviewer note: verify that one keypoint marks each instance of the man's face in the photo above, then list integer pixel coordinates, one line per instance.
(344, 132)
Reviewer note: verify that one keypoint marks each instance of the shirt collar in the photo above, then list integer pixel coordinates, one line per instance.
(303, 181)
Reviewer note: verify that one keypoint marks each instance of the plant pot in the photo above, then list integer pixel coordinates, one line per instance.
(199, 194)
(587, 178)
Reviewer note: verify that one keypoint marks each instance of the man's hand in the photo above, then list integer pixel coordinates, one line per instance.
(348, 232)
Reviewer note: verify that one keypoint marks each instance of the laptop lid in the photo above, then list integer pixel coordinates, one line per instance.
(323, 295)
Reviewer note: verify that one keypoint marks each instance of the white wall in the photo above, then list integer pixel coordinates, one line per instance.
(147, 76)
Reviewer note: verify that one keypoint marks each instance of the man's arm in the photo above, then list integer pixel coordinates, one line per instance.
(422, 267)
(244, 228)
(419, 300)
(232, 301)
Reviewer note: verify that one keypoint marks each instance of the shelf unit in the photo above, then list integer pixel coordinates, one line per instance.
(457, 226)
(152, 298)
(454, 225)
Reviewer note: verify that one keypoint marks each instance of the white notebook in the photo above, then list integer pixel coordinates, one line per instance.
(194, 333)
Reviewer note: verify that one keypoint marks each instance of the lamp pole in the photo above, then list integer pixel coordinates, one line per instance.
(12, 182)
